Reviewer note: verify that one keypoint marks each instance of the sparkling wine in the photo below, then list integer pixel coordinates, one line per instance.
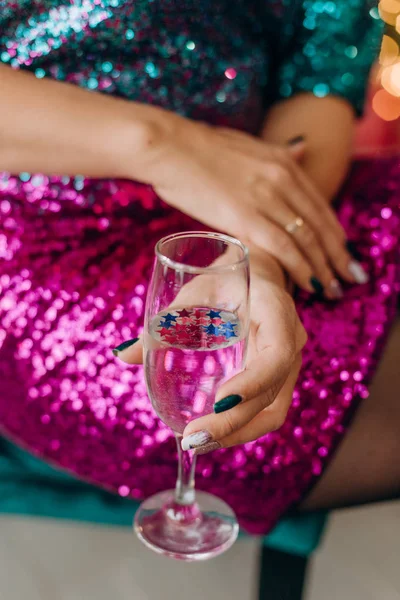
(189, 353)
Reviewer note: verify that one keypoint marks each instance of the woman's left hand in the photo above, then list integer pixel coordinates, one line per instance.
(255, 401)
(266, 385)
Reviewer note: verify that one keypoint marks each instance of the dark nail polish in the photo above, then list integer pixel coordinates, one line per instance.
(317, 285)
(352, 249)
(227, 403)
(124, 346)
(299, 139)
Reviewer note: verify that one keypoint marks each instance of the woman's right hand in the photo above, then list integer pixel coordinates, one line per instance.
(236, 183)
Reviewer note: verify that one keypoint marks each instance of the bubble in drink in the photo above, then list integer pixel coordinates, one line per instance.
(190, 352)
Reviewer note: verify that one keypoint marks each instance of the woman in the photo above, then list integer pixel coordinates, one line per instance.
(78, 244)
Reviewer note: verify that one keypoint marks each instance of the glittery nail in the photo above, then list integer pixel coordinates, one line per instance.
(194, 440)
(227, 403)
(124, 346)
(358, 272)
(317, 285)
(335, 289)
(207, 448)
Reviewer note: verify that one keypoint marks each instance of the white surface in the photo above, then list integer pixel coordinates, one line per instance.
(77, 562)
(48, 560)
(360, 556)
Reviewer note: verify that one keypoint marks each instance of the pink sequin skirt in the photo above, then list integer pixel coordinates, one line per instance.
(75, 258)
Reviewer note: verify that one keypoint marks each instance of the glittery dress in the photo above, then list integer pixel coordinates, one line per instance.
(75, 254)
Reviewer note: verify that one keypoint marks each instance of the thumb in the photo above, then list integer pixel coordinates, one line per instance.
(130, 351)
(297, 147)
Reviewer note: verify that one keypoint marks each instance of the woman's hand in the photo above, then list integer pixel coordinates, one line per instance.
(255, 191)
(266, 385)
(263, 391)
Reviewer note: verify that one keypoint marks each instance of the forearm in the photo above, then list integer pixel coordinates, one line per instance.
(57, 128)
(327, 125)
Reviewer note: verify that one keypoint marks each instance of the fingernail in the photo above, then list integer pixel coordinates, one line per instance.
(299, 139)
(207, 448)
(352, 249)
(358, 272)
(194, 440)
(336, 289)
(317, 285)
(227, 403)
(124, 346)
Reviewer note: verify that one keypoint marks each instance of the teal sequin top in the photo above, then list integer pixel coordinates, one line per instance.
(210, 59)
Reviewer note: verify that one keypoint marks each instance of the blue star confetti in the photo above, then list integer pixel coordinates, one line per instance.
(169, 317)
(214, 314)
(211, 329)
(166, 324)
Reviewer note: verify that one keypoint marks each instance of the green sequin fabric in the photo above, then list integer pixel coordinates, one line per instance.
(211, 60)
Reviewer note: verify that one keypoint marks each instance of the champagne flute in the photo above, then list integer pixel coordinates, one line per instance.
(195, 338)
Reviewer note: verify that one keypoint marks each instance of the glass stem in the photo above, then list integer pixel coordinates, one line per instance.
(184, 491)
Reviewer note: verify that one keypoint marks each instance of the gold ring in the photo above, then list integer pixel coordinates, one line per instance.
(294, 225)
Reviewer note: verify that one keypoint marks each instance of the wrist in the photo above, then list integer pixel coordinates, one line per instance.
(144, 133)
(264, 266)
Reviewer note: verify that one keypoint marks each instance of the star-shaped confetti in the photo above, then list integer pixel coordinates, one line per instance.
(164, 332)
(184, 313)
(230, 334)
(214, 314)
(227, 329)
(211, 329)
(217, 321)
(228, 326)
(166, 324)
(169, 317)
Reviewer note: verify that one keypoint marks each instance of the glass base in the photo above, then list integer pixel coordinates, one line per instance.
(194, 532)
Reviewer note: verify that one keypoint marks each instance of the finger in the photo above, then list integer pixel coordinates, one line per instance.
(315, 211)
(216, 427)
(238, 400)
(265, 419)
(350, 269)
(316, 253)
(331, 238)
(274, 350)
(311, 190)
(269, 419)
(319, 217)
(130, 351)
(271, 238)
(277, 210)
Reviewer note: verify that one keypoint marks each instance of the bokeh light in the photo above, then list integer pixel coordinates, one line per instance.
(386, 101)
(389, 51)
(390, 79)
(388, 10)
(390, 6)
(386, 106)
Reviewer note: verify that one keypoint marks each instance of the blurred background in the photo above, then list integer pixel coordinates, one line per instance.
(379, 130)
(357, 557)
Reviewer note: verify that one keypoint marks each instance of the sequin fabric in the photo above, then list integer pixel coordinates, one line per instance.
(76, 254)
